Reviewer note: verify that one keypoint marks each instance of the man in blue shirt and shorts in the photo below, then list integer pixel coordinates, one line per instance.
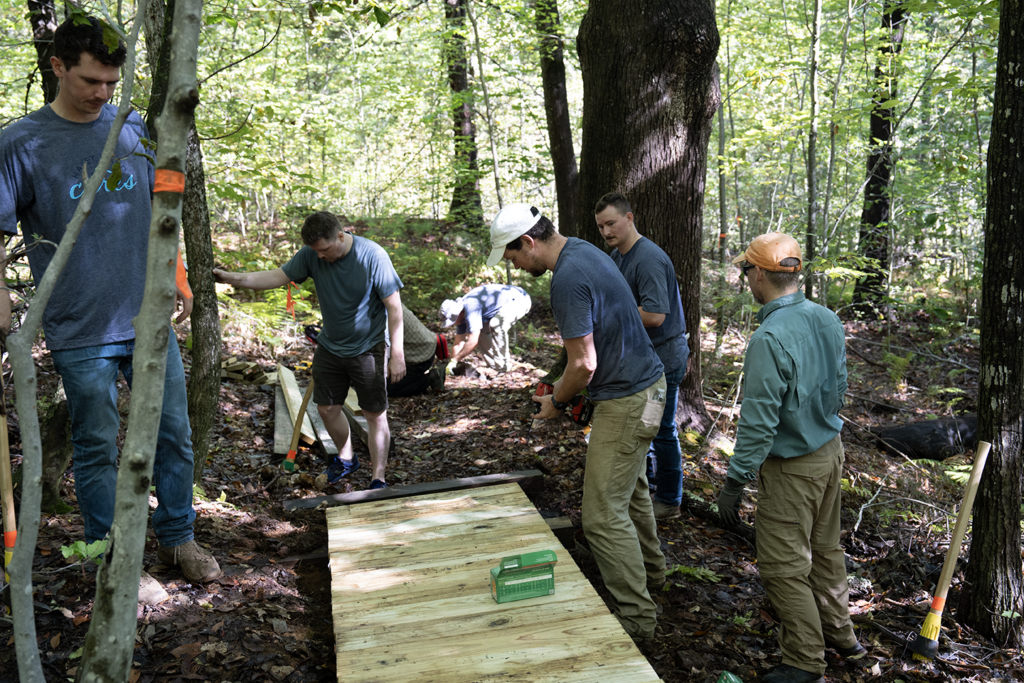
(357, 288)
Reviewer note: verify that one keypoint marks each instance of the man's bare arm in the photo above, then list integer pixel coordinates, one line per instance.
(263, 279)
(396, 330)
(651, 319)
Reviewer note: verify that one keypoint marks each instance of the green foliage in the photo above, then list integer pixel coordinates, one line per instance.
(897, 365)
(80, 551)
(699, 574)
(958, 473)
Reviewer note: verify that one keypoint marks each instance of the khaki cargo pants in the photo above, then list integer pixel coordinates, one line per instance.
(799, 558)
(618, 517)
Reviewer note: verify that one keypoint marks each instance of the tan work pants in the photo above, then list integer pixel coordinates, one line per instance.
(799, 558)
(618, 517)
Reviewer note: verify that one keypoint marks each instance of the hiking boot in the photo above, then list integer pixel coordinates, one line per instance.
(377, 484)
(198, 565)
(784, 673)
(437, 377)
(664, 510)
(631, 629)
(150, 590)
(855, 651)
(339, 469)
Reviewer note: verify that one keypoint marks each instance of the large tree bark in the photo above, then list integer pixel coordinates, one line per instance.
(110, 642)
(650, 87)
(994, 591)
(42, 17)
(556, 107)
(204, 374)
(877, 213)
(466, 206)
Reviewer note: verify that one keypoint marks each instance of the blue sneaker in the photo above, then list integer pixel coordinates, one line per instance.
(377, 484)
(339, 469)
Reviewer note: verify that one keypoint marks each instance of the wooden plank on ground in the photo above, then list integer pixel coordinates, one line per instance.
(411, 597)
(352, 402)
(322, 435)
(282, 425)
(357, 423)
(293, 397)
(527, 479)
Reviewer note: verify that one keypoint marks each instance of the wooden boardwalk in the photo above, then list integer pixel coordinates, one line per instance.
(410, 589)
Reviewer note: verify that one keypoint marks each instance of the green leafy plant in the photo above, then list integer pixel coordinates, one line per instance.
(80, 551)
(694, 573)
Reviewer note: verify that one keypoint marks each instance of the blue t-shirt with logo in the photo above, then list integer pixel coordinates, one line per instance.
(350, 291)
(100, 290)
(590, 296)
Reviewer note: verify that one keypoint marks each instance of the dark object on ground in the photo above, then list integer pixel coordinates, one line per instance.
(463, 369)
(785, 673)
(529, 480)
(930, 439)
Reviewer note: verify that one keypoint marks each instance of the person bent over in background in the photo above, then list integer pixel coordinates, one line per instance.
(483, 318)
(421, 346)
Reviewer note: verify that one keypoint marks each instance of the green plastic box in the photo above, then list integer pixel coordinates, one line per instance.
(519, 577)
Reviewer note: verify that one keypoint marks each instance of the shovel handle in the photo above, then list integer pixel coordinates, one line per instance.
(962, 519)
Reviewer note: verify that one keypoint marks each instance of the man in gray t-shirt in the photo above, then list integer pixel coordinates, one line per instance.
(611, 357)
(357, 288)
(483, 317)
(652, 280)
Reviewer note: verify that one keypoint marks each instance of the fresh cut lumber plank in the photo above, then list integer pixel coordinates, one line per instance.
(293, 397)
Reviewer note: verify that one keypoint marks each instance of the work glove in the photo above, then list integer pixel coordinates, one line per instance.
(729, 502)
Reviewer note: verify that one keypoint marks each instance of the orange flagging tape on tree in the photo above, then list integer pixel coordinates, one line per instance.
(181, 277)
(169, 181)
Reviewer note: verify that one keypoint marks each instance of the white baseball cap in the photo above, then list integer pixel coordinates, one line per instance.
(450, 311)
(511, 223)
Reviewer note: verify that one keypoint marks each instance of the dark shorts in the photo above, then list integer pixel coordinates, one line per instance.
(332, 377)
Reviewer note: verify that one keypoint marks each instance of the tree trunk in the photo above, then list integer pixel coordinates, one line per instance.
(650, 88)
(556, 107)
(42, 17)
(110, 642)
(204, 374)
(994, 592)
(466, 206)
(812, 149)
(877, 214)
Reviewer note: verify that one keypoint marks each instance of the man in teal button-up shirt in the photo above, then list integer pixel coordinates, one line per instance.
(788, 437)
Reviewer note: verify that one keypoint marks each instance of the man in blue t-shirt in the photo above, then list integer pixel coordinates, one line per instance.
(88, 319)
(483, 317)
(612, 357)
(357, 288)
(652, 280)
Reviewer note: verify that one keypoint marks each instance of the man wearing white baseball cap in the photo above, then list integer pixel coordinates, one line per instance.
(610, 355)
(788, 439)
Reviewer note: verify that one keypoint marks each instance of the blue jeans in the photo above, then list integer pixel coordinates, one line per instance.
(90, 382)
(665, 457)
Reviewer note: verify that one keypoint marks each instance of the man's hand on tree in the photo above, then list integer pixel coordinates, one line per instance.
(729, 502)
(185, 302)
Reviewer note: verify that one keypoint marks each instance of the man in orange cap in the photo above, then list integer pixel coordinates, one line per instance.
(788, 438)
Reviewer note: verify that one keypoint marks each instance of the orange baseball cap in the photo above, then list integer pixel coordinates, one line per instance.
(767, 252)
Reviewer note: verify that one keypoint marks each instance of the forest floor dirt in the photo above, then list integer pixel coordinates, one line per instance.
(268, 618)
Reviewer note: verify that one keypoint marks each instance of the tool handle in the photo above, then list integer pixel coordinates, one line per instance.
(297, 432)
(962, 519)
